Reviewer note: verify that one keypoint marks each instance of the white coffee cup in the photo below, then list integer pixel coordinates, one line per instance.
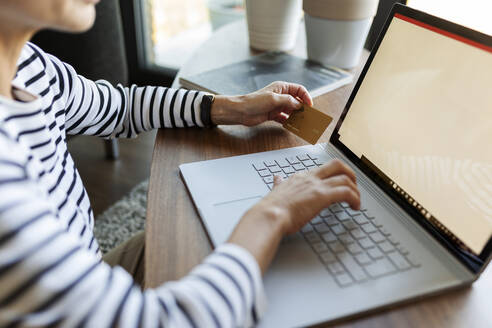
(273, 24)
(336, 30)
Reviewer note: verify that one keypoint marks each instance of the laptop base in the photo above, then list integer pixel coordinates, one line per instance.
(300, 288)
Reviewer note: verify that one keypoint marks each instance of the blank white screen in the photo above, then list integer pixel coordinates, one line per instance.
(423, 116)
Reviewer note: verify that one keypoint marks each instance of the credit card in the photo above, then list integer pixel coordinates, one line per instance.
(308, 123)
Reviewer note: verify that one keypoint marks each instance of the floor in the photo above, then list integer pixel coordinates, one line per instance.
(106, 180)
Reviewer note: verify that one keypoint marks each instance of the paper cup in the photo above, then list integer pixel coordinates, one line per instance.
(336, 30)
(341, 9)
(336, 42)
(273, 24)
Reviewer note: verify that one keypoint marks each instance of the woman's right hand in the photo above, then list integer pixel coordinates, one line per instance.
(291, 204)
(304, 195)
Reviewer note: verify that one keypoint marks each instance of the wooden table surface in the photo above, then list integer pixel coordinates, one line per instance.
(175, 237)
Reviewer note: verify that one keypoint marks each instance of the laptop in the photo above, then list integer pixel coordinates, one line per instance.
(416, 130)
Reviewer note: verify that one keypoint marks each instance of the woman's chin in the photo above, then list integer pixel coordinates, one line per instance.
(81, 22)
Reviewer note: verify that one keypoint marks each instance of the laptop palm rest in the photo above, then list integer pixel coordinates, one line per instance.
(229, 213)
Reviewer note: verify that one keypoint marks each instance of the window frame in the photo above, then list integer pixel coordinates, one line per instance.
(138, 44)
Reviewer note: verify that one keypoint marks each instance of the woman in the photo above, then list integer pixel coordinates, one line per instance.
(51, 271)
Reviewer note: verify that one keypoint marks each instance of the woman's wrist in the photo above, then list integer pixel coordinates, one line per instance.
(226, 110)
(260, 231)
(276, 217)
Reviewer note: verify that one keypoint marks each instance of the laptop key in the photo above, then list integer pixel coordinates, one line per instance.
(366, 243)
(350, 224)
(298, 167)
(336, 247)
(282, 163)
(377, 237)
(360, 219)
(346, 239)
(363, 259)
(367, 214)
(327, 257)
(357, 233)
(344, 280)
(264, 173)
(288, 170)
(342, 216)
(329, 237)
(312, 237)
(325, 213)
(335, 268)
(270, 186)
(400, 261)
(351, 212)
(354, 248)
(321, 227)
(402, 249)
(380, 268)
(311, 156)
(375, 253)
(352, 267)
(338, 229)
(319, 247)
(259, 166)
(345, 204)
(386, 246)
(331, 220)
(303, 157)
(308, 163)
(368, 228)
(335, 208)
(316, 220)
(318, 162)
(270, 163)
(275, 169)
(268, 179)
(292, 160)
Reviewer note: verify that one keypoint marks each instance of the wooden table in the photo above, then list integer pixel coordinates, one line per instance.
(175, 238)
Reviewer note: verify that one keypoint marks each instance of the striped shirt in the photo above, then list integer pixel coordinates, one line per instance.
(51, 272)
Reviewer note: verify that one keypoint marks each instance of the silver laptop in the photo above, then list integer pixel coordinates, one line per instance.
(416, 130)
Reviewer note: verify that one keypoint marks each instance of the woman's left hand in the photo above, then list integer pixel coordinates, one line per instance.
(274, 102)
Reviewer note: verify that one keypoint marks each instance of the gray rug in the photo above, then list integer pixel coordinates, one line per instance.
(122, 220)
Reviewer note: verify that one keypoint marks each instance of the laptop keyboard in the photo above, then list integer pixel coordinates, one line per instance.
(353, 245)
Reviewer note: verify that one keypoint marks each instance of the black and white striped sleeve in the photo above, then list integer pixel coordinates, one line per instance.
(48, 278)
(100, 109)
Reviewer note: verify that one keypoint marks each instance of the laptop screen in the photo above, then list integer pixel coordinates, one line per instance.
(422, 119)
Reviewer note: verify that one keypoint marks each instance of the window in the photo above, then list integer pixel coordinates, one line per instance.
(475, 14)
(179, 27)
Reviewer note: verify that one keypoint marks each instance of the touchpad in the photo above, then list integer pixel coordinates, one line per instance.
(225, 216)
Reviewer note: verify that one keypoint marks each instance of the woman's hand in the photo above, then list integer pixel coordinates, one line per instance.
(274, 102)
(304, 195)
(290, 205)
